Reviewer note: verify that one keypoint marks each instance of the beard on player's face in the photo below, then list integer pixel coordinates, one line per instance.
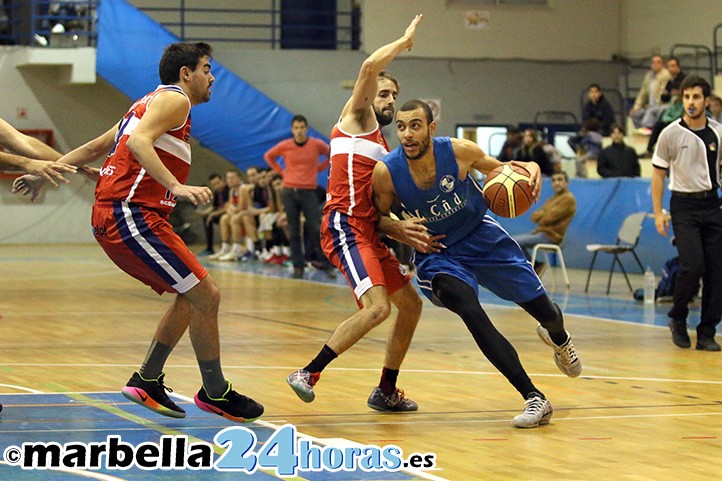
(415, 149)
(384, 117)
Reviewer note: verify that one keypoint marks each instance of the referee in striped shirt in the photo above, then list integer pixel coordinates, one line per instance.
(689, 151)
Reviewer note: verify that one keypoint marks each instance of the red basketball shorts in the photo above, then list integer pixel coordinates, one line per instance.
(353, 246)
(142, 243)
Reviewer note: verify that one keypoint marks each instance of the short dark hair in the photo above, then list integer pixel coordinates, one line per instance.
(596, 86)
(562, 172)
(214, 175)
(299, 118)
(178, 55)
(386, 75)
(692, 81)
(418, 104)
(617, 127)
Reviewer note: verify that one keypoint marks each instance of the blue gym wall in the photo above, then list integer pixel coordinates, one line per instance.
(602, 205)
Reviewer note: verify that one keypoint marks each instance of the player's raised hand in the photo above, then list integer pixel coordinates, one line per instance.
(411, 30)
(197, 195)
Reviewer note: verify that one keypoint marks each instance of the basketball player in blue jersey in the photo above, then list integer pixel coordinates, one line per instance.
(430, 177)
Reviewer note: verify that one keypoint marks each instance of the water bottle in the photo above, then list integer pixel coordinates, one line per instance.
(649, 282)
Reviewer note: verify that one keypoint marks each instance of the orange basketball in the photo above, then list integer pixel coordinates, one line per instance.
(507, 191)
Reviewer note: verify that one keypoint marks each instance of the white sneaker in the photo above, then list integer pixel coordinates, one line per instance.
(538, 411)
(229, 256)
(565, 356)
(40, 40)
(217, 255)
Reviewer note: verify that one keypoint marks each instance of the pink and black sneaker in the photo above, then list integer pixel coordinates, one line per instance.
(231, 405)
(151, 393)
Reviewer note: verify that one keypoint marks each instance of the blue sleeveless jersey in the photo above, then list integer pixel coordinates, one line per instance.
(451, 206)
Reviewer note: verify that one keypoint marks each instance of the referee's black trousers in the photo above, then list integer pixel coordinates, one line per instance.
(697, 225)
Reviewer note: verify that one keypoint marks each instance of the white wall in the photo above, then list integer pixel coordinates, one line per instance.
(653, 26)
(565, 30)
(58, 215)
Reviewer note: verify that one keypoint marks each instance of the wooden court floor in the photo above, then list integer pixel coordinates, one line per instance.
(70, 321)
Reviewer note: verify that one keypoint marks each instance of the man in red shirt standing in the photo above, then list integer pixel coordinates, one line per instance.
(302, 162)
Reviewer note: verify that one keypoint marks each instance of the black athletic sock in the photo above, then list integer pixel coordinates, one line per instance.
(155, 360)
(388, 381)
(549, 316)
(322, 360)
(213, 380)
(460, 298)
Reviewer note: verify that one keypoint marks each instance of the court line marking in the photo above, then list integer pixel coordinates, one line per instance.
(367, 369)
(328, 441)
(22, 388)
(149, 424)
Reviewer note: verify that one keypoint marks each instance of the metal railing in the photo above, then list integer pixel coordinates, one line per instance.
(262, 23)
(68, 23)
(695, 59)
(9, 23)
(717, 48)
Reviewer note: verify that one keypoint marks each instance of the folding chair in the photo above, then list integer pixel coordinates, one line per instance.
(627, 240)
(546, 248)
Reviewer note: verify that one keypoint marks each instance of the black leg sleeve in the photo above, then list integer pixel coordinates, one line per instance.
(548, 315)
(460, 298)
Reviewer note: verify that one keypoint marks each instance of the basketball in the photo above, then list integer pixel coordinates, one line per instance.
(507, 191)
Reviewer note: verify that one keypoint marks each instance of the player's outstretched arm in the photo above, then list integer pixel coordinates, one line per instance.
(25, 145)
(364, 90)
(469, 155)
(86, 153)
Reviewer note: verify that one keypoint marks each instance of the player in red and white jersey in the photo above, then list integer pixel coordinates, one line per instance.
(350, 239)
(353, 157)
(122, 177)
(138, 185)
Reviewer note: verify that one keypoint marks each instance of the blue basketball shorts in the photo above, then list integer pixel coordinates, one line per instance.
(487, 257)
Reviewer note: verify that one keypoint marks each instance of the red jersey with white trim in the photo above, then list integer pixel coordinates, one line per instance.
(122, 178)
(353, 158)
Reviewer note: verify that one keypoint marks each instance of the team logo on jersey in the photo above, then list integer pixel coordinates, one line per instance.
(712, 147)
(107, 170)
(446, 184)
